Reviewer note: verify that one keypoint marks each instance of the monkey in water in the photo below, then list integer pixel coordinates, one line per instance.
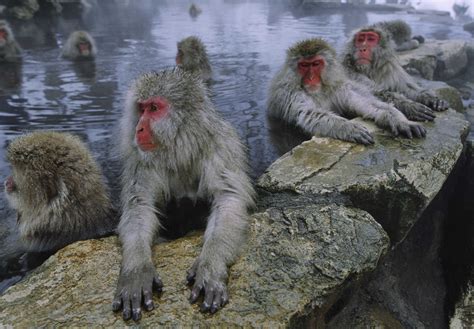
(312, 91)
(400, 33)
(58, 191)
(175, 145)
(9, 49)
(79, 46)
(192, 57)
(371, 60)
(194, 11)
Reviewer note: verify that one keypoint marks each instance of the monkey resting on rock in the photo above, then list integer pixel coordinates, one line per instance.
(175, 145)
(371, 60)
(192, 57)
(57, 190)
(312, 91)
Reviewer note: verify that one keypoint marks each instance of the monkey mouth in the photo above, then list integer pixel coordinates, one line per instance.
(147, 147)
(363, 61)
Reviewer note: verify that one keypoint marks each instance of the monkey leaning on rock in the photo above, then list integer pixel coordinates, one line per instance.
(58, 191)
(79, 46)
(400, 33)
(312, 91)
(192, 57)
(9, 49)
(370, 59)
(175, 145)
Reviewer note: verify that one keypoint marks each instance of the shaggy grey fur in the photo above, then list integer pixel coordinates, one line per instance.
(71, 50)
(199, 157)
(323, 112)
(192, 52)
(400, 33)
(10, 51)
(59, 193)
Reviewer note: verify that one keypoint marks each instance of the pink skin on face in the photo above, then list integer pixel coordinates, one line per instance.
(84, 48)
(10, 184)
(310, 70)
(150, 110)
(365, 42)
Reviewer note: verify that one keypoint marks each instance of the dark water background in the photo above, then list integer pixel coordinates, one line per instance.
(246, 42)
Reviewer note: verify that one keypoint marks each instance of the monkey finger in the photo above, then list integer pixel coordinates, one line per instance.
(136, 306)
(148, 300)
(126, 313)
(217, 302)
(195, 293)
(117, 303)
(191, 275)
(419, 131)
(407, 132)
(208, 299)
(157, 284)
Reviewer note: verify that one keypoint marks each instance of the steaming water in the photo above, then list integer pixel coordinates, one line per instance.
(246, 42)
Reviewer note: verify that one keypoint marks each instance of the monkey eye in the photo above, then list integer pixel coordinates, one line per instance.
(153, 108)
(304, 64)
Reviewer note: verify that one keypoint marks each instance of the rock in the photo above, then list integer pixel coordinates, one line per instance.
(440, 60)
(394, 180)
(296, 263)
(469, 27)
(464, 313)
(25, 9)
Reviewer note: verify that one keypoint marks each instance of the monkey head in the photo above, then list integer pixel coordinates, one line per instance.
(311, 60)
(158, 105)
(84, 47)
(5, 33)
(191, 53)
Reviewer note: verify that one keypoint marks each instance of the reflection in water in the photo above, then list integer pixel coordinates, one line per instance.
(246, 42)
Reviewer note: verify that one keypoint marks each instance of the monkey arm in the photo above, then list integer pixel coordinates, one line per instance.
(137, 228)
(413, 110)
(225, 233)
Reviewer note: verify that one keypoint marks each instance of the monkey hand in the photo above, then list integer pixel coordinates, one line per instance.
(204, 276)
(357, 133)
(433, 102)
(134, 287)
(418, 112)
(408, 129)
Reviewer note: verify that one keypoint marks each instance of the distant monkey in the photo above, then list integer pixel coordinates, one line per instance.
(175, 145)
(79, 46)
(194, 10)
(57, 190)
(9, 49)
(312, 91)
(400, 33)
(370, 54)
(192, 57)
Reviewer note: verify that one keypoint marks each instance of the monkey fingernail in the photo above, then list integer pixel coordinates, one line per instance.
(205, 307)
(137, 314)
(116, 305)
(149, 305)
(214, 307)
(126, 314)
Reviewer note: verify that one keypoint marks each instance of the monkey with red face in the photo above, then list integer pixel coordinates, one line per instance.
(312, 91)
(370, 59)
(9, 49)
(175, 145)
(79, 46)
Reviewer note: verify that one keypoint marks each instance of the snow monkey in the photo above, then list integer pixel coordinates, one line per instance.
(192, 57)
(57, 190)
(369, 56)
(312, 91)
(194, 10)
(175, 145)
(400, 33)
(79, 46)
(9, 49)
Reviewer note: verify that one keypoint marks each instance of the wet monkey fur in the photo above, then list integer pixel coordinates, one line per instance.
(175, 145)
(79, 46)
(9, 49)
(312, 91)
(192, 57)
(58, 191)
(370, 59)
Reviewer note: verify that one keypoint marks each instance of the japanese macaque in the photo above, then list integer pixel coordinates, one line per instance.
(58, 191)
(369, 56)
(192, 57)
(194, 10)
(175, 145)
(9, 49)
(79, 46)
(400, 33)
(312, 91)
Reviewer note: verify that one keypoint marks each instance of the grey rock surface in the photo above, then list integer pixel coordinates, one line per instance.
(463, 317)
(295, 264)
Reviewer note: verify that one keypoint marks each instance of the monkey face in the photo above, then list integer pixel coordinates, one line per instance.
(3, 37)
(84, 48)
(150, 112)
(364, 43)
(310, 69)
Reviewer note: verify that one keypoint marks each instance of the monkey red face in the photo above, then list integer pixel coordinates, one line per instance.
(3, 36)
(365, 42)
(10, 185)
(310, 69)
(84, 48)
(150, 111)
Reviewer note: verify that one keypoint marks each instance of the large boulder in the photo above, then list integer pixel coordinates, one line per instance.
(394, 180)
(296, 263)
(439, 60)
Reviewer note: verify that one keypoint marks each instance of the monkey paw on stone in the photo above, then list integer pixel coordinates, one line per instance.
(133, 288)
(408, 129)
(359, 134)
(417, 112)
(433, 102)
(211, 282)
